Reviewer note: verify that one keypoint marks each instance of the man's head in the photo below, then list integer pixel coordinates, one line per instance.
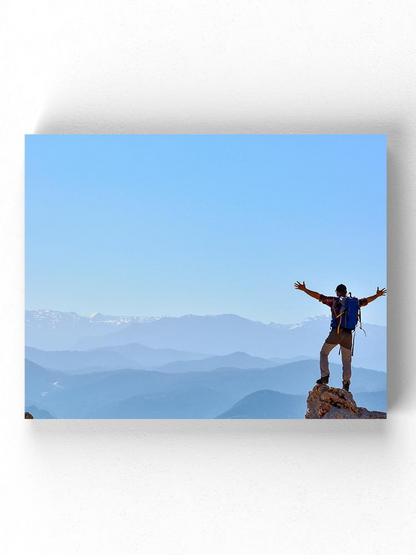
(341, 290)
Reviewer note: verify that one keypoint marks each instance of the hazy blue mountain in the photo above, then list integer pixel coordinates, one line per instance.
(267, 404)
(219, 335)
(73, 361)
(146, 356)
(76, 396)
(124, 356)
(40, 382)
(38, 413)
(226, 333)
(278, 360)
(187, 403)
(234, 360)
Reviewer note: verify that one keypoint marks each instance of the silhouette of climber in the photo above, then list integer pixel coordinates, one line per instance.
(338, 335)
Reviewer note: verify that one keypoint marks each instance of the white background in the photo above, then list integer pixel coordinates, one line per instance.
(188, 66)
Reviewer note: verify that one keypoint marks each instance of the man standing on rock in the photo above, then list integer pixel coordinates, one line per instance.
(338, 335)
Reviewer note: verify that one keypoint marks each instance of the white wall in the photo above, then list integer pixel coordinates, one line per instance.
(231, 66)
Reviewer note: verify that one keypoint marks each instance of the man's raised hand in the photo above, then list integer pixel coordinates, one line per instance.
(301, 286)
(381, 292)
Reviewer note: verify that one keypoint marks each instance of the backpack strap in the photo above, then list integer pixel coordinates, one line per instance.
(339, 316)
(339, 323)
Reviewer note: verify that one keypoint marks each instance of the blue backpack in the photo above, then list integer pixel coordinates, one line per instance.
(349, 314)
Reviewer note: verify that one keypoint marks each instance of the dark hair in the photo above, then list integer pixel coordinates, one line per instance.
(341, 289)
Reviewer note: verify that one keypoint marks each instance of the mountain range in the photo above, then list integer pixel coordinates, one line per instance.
(154, 394)
(112, 358)
(222, 366)
(206, 335)
(163, 360)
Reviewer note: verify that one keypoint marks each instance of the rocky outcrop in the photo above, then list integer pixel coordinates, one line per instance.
(334, 403)
(28, 415)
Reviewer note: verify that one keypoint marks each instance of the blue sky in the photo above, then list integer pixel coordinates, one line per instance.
(205, 224)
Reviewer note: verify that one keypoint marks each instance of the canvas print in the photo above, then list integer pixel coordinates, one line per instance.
(205, 277)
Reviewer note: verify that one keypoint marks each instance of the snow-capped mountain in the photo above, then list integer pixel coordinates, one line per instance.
(55, 317)
(55, 330)
(310, 322)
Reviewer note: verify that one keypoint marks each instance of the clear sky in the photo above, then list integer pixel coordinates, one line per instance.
(159, 225)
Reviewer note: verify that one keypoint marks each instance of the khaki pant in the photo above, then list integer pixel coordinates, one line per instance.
(344, 338)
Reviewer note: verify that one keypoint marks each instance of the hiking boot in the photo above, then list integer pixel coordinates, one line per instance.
(323, 380)
(346, 386)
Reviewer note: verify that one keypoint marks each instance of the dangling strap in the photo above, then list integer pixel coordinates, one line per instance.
(361, 328)
(359, 318)
(338, 328)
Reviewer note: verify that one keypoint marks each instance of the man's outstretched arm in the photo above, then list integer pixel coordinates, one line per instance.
(302, 287)
(379, 293)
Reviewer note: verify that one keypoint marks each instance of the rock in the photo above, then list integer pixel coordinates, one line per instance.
(28, 415)
(336, 413)
(334, 403)
(364, 413)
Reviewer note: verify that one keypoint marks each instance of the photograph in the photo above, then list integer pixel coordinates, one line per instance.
(205, 276)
